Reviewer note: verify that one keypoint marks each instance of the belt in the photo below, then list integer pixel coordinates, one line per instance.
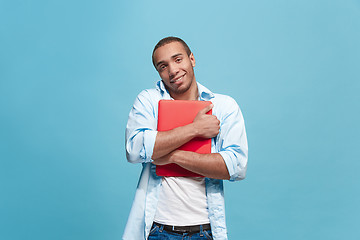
(183, 229)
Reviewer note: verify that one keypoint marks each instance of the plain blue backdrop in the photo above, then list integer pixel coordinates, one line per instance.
(70, 71)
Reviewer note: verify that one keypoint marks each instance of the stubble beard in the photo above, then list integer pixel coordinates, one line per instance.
(179, 91)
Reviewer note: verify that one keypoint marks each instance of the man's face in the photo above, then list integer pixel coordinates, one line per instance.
(175, 68)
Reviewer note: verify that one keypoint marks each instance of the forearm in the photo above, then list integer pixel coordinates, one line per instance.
(209, 165)
(168, 141)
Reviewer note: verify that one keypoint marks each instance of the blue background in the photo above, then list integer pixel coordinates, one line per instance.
(70, 71)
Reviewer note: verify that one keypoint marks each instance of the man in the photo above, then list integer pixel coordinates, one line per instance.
(176, 207)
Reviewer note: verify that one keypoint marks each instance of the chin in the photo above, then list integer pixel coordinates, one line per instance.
(182, 89)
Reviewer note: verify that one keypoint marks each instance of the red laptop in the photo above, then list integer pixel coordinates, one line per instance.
(177, 113)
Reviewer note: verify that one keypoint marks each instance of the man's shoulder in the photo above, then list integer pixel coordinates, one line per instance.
(224, 105)
(222, 98)
(150, 93)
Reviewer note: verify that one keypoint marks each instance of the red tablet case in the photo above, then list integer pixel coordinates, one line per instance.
(177, 113)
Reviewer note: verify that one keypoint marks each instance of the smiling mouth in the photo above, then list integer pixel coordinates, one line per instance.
(177, 80)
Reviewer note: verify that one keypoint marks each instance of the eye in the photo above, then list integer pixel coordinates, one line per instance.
(162, 67)
(178, 60)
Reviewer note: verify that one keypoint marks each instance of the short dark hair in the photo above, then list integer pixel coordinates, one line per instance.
(168, 40)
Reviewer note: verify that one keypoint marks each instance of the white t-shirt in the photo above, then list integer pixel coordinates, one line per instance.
(182, 202)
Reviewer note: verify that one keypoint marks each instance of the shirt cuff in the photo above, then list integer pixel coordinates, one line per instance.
(149, 142)
(229, 164)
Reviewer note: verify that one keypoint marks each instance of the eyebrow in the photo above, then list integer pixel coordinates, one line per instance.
(173, 56)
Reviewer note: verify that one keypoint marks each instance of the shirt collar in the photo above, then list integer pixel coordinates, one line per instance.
(204, 93)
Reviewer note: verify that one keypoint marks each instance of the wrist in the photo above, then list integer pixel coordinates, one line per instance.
(194, 131)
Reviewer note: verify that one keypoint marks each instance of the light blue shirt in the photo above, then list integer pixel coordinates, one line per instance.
(141, 132)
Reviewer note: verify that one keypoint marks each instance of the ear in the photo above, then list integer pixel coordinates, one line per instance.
(192, 59)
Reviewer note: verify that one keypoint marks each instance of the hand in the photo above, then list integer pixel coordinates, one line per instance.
(207, 126)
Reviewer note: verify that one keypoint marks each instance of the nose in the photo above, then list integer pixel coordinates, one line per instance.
(173, 70)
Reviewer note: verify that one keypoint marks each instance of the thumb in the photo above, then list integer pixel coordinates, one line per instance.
(206, 109)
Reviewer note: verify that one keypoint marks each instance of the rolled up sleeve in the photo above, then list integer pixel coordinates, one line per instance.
(141, 130)
(232, 142)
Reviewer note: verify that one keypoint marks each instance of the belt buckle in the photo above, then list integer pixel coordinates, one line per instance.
(175, 229)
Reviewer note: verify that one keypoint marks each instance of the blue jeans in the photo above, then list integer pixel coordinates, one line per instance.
(158, 233)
